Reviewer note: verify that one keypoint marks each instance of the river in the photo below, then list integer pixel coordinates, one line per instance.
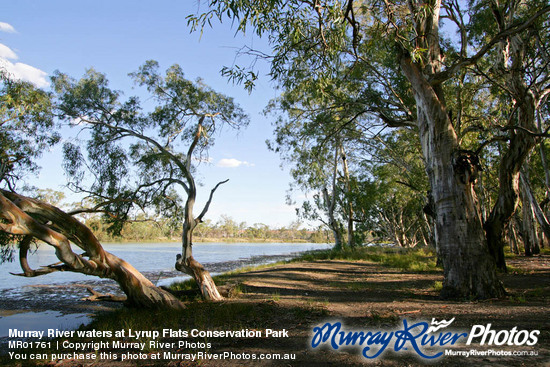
(53, 300)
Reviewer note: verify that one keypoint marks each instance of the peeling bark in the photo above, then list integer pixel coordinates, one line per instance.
(469, 270)
(25, 216)
(520, 146)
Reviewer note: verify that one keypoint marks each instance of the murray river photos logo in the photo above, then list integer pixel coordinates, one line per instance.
(428, 341)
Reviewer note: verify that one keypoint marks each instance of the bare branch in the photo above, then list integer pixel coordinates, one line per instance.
(207, 205)
(442, 76)
(490, 141)
(24, 246)
(544, 134)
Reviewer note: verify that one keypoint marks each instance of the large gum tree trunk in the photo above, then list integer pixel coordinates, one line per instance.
(469, 270)
(25, 216)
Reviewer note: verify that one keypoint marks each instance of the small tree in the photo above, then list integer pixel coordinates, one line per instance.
(144, 160)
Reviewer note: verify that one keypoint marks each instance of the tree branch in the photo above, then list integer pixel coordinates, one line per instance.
(24, 246)
(183, 167)
(544, 134)
(207, 205)
(442, 76)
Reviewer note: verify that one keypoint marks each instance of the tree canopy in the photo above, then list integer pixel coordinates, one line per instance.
(141, 159)
(26, 128)
(394, 64)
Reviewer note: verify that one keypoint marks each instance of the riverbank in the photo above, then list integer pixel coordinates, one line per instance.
(67, 298)
(362, 295)
(210, 240)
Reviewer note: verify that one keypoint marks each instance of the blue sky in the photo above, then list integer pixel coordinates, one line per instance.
(116, 37)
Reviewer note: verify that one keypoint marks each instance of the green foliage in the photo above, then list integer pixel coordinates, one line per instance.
(143, 229)
(292, 28)
(337, 64)
(27, 128)
(7, 246)
(52, 197)
(137, 159)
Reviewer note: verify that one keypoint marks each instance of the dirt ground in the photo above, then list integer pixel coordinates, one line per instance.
(367, 296)
(296, 297)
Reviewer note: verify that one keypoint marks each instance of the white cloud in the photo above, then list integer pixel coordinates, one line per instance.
(233, 163)
(25, 72)
(5, 27)
(7, 53)
(19, 70)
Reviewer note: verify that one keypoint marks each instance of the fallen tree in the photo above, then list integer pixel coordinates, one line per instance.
(35, 219)
(27, 128)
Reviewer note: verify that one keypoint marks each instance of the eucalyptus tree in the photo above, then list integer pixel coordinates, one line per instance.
(517, 70)
(317, 37)
(27, 129)
(309, 137)
(137, 160)
(320, 171)
(393, 186)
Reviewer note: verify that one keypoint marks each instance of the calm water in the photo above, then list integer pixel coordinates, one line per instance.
(150, 258)
(52, 300)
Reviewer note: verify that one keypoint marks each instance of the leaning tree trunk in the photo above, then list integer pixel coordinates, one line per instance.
(25, 216)
(529, 231)
(469, 270)
(185, 261)
(187, 264)
(528, 194)
(522, 142)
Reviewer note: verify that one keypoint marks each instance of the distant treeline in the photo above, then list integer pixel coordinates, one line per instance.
(226, 229)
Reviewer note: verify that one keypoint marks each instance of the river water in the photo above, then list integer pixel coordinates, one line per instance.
(54, 300)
